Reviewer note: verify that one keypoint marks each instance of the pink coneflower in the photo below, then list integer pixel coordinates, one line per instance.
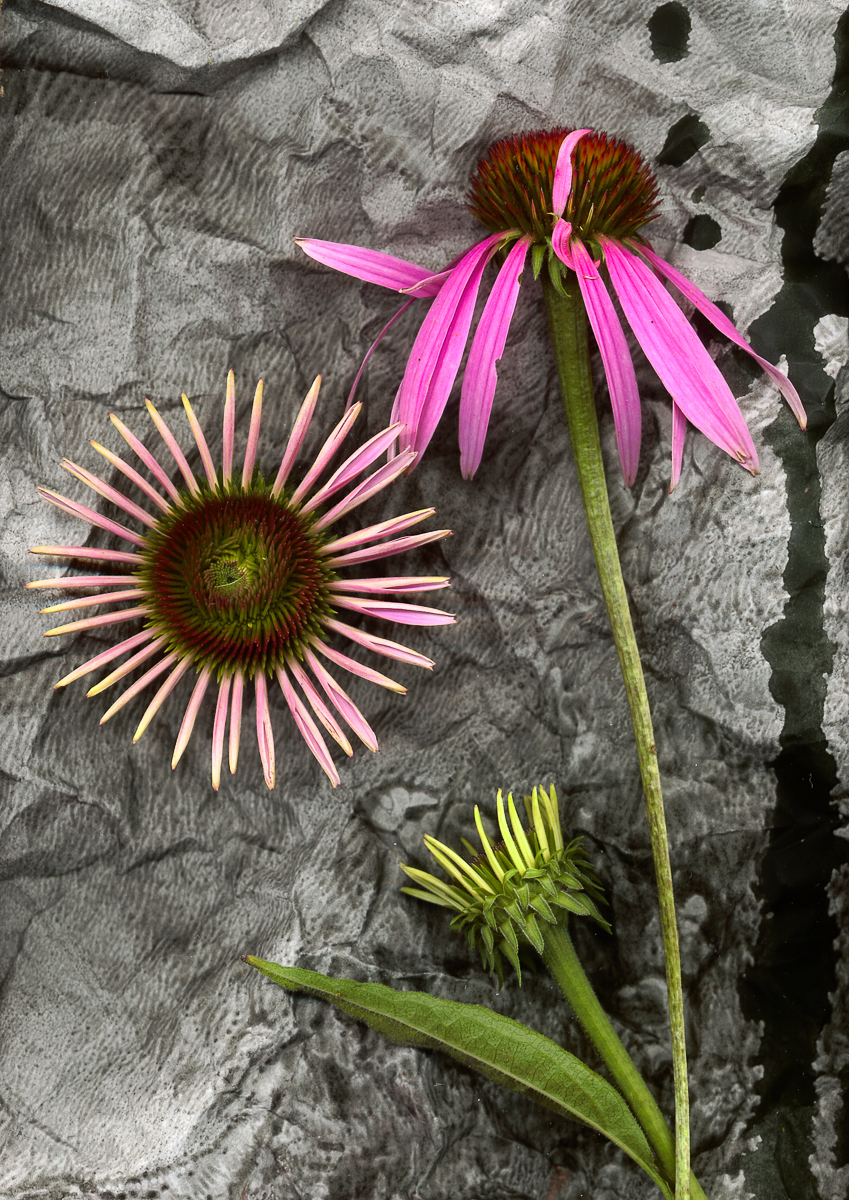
(236, 577)
(575, 200)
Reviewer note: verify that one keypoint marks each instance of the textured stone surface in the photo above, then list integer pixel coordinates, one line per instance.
(159, 171)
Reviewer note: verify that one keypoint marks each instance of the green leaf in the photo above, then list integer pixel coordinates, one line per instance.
(496, 1046)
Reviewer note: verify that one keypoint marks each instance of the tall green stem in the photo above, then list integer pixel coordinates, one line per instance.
(565, 966)
(568, 323)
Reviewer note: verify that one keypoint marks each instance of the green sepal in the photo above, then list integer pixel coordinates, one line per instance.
(496, 1046)
(513, 958)
(532, 933)
(508, 933)
(541, 906)
(537, 258)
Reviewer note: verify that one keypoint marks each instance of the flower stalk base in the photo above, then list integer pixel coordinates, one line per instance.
(568, 324)
(565, 966)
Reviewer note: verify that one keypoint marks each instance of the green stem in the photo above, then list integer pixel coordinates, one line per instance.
(568, 323)
(565, 966)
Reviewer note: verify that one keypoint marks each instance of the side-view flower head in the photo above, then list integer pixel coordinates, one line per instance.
(578, 202)
(236, 577)
(503, 893)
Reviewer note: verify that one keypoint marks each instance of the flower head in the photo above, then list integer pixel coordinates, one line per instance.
(237, 577)
(578, 201)
(507, 889)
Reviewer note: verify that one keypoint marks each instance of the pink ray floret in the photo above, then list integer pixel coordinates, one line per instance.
(601, 262)
(178, 512)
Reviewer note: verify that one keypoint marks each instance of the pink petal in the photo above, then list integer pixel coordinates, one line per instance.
(89, 601)
(563, 171)
(378, 645)
(107, 656)
(679, 429)
(127, 667)
(87, 514)
(117, 556)
(560, 242)
(83, 581)
(133, 476)
(171, 442)
(296, 437)
(146, 457)
(253, 437)
(160, 697)
(427, 287)
(229, 430)
(264, 732)
(435, 358)
(718, 318)
(108, 493)
(326, 453)
(353, 466)
(350, 664)
(342, 701)
(218, 728)
(392, 584)
(307, 727)
(235, 720)
(616, 357)
(200, 442)
(369, 487)
(388, 610)
(396, 546)
(481, 375)
(126, 614)
(683, 365)
(370, 265)
(319, 707)
(383, 529)
(140, 684)
(371, 351)
(190, 716)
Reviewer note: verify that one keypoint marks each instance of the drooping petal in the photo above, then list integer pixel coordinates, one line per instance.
(325, 454)
(401, 614)
(435, 358)
(718, 319)
(145, 455)
(218, 729)
(190, 715)
(481, 375)
(392, 584)
(171, 442)
(319, 707)
(353, 466)
(200, 442)
(379, 645)
(355, 668)
(264, 732)
(616, 358)
(107, 492)
(371, 351)
(296, 437)
(235, 720)
(373, 266)
(253, 437)
(672, 347)
(369, 487)
(109, 655)
(87, 514)
(307, 727)
(395, 546)
(563, 171)
(342, 701)
(160, 697)
(679, 429)
(561, 244)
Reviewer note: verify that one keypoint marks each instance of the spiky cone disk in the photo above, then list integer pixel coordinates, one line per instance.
(511, 890)
(236, 578)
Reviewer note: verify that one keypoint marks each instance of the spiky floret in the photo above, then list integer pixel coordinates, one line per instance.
(238, 580)
(613, 191)
(503, 893)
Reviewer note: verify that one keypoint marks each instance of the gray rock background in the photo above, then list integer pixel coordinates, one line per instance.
(157, 159)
